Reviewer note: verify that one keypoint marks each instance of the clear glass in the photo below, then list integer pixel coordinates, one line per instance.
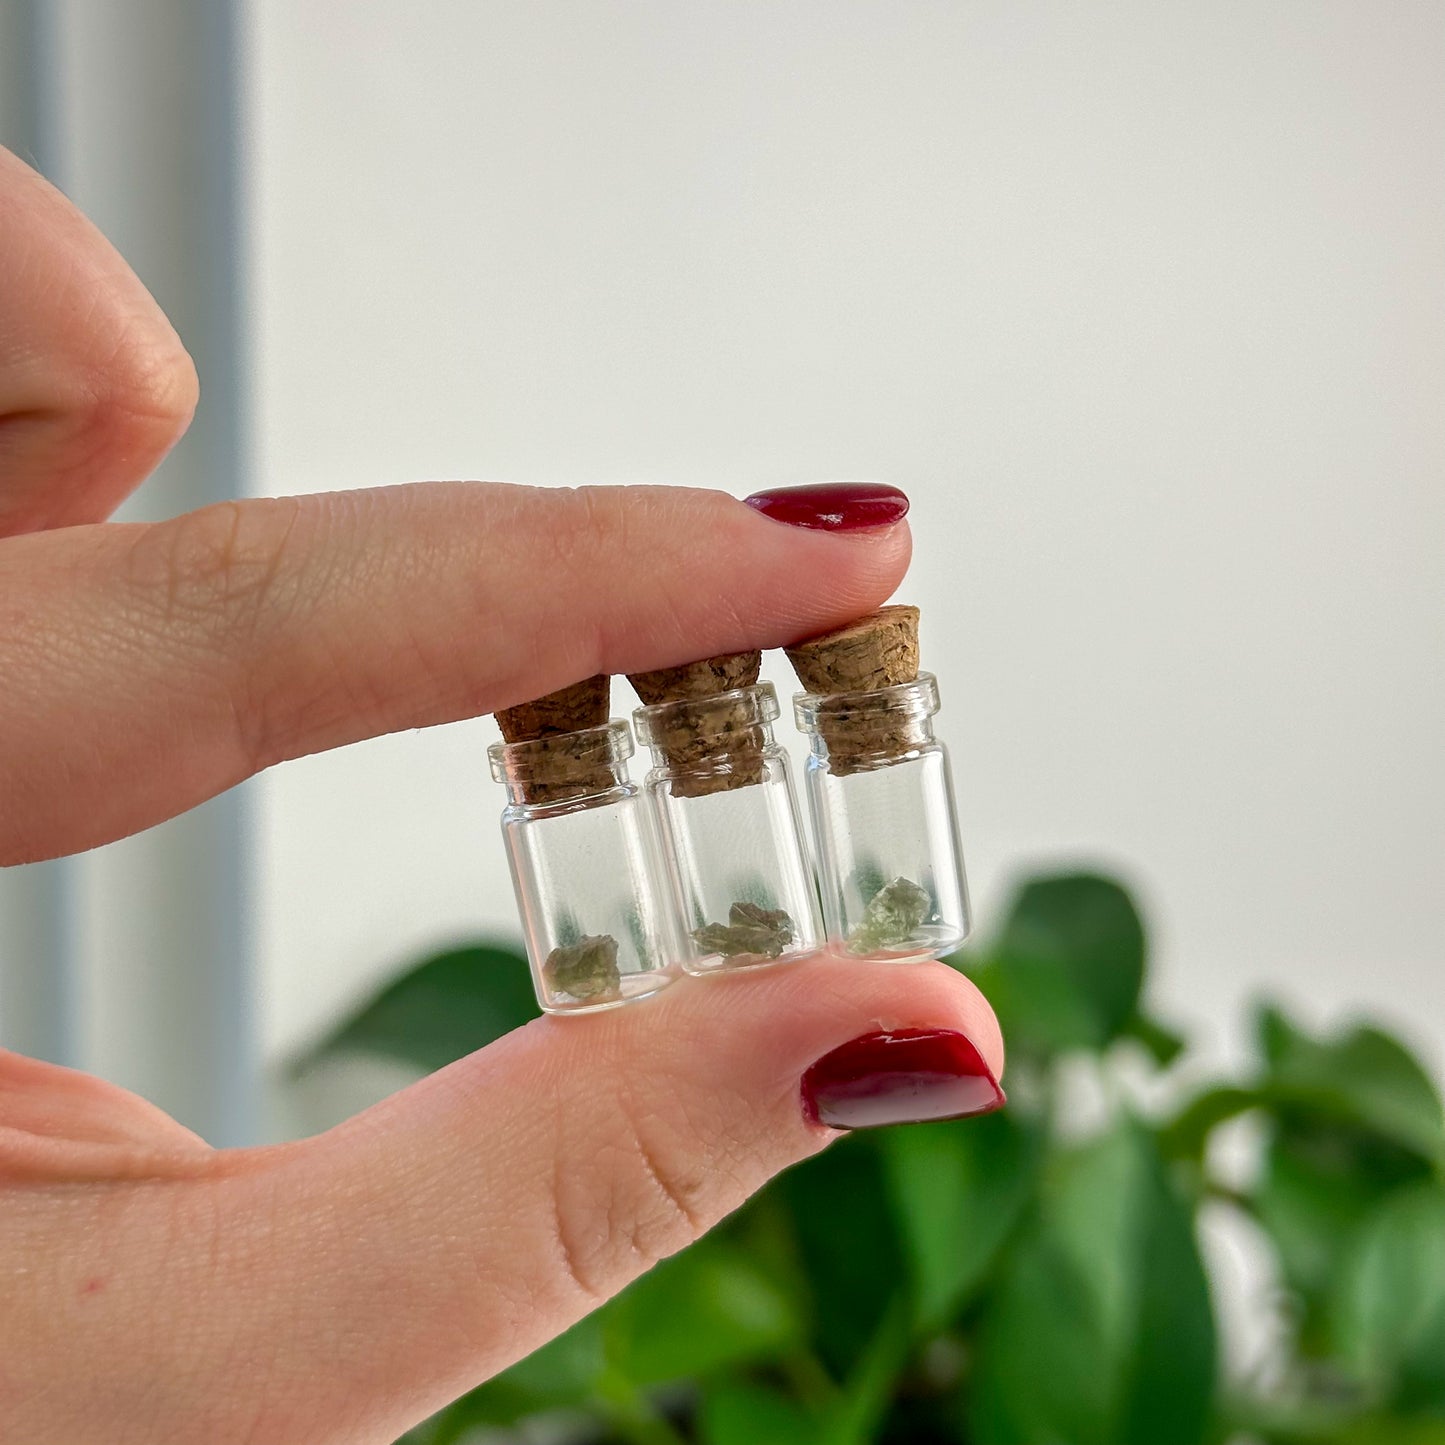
(585, 862)
(728, 819)
(880, 790)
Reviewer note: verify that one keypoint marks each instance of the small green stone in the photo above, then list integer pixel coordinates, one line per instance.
(732, 942)
(751, 930)
(586, 969)
(891, 917)
(745, 914)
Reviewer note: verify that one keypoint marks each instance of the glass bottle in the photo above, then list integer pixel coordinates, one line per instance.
(585, 866)
(881, 795)
(728, 819)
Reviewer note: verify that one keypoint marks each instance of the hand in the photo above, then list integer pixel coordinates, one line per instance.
(342, 1288)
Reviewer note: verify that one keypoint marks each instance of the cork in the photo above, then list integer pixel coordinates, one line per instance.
(877, 651)
(563, 766)
(880, 650)
(715, 744)
(568, 710)
(695, 680)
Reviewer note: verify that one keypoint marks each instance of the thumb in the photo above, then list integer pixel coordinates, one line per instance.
(493, 1205)
(372, 1274)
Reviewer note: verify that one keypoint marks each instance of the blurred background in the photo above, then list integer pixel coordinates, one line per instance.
(1143, 305)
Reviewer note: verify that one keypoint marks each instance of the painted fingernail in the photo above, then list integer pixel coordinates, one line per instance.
(907, 1077)
(833, 506)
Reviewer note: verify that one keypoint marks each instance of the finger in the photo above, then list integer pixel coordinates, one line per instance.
(59, 1123)
(95, 386)
(366, 1277)
(149, 667)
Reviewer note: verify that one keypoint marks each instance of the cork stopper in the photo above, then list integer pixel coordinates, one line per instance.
(704, 722)
(880, 650)
(568, 710)
(874, 653)
(564, 761)
(693, 680)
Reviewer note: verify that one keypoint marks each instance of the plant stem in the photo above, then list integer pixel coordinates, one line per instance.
(1225, 1195)
(810, 1381)
(632, 1414)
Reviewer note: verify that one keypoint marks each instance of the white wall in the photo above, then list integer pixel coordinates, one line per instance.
(1143, 304)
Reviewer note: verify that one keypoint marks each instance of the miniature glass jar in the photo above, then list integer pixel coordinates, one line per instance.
(729, 824)
(881, 794)
(585, 866)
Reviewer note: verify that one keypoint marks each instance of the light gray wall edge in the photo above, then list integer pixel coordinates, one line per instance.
(136, 960)
(38, 974)
(237, 1101)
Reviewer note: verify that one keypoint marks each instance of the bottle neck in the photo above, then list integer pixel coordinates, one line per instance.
(585, 766)
(858, 731)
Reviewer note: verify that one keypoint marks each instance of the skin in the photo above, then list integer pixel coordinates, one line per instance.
(341, 1288)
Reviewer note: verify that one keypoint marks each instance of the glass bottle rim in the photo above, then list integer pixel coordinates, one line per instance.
(914, 700)
(549, 758)
(752, 706)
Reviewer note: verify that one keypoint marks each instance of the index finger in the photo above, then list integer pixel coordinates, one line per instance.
(150, 667)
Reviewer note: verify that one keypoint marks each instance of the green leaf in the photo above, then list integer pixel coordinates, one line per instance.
(734, 1413)
(1364, 1081)
(696, 1314)
(847, 1240)
(1319, 1183)
(854, 1419)
(1389, 1307)
(1186, 1136)
(1162, 1044)
(443, 1009)
(1040, 1373)
(704, 1310)
(957, 1190)
(1067, 969)
(1390, 1430)
(1170, 1385)
(1362, 1077)
(564, 1371)
(1354, 1118)
(1099, 1331)
(1316, 1422)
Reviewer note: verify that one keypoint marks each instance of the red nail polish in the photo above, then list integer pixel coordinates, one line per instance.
(833, 506)
(908, 1077)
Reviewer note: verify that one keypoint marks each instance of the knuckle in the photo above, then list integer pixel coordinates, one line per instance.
(640, 1200)
(216, 570)
(594, 526)
(146, 390)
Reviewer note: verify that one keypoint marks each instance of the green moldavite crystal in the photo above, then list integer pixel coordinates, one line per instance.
(891, 917)
(750, 929)
(586, 969)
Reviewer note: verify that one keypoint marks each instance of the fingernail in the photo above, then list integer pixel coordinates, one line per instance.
(908, 1077)
(833, 506)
